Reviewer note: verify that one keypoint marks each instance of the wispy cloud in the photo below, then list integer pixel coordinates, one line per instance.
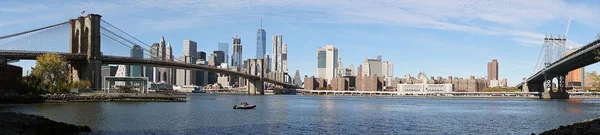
(515, 18)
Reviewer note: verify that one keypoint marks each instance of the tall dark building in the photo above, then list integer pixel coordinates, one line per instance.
(220, 57)
(201, 55)
(136, 70)
(492, 70)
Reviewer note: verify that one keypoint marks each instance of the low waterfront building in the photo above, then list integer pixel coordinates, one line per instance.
(425, 88)
(312, 83)
(369, 83)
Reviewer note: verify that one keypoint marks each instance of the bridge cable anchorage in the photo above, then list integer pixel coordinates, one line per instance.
(34, 30)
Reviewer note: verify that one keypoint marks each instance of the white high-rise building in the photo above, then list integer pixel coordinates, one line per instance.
(341, 71)
(352, 72)
(388, 72)
(187, 77)
(284, 61)
(276, 60)
(327, 58)
(388, 69)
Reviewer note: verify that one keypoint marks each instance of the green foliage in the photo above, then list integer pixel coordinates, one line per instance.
(500, 89)
(328, 87)
(30, 85)
(81, 84)
(52, 70)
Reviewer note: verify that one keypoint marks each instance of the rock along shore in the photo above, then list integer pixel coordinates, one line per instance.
(93, 97)
(12, 123)
(587, 127)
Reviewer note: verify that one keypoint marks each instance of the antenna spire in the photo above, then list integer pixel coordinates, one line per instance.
(261, 22)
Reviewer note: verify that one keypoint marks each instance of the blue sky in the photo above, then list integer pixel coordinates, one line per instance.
(440, 37)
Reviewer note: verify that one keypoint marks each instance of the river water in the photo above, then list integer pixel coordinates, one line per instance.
(298, 114)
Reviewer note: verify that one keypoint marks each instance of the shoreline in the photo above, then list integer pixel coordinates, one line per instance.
(587, 127)
(20, 123)
(92, 97)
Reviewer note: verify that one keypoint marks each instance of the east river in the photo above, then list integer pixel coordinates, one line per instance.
(298, 114)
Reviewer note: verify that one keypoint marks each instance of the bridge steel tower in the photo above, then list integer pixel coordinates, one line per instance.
(85, 39)
(554, 51)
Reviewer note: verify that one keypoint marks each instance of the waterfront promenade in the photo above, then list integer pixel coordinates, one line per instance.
(441, 94)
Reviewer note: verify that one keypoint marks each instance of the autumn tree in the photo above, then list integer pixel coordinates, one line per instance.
(595, 80)
(51, 68)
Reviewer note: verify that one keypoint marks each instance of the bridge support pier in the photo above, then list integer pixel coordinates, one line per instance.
(85, 39)
(255, 87)
(561, 91)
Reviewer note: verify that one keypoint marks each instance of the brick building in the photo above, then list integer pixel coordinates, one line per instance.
(9, 75)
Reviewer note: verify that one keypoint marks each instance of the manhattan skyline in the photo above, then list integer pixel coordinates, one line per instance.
(440, 38)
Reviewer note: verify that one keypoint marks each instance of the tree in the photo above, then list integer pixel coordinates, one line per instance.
(81, 84)
(52, 70)
(595, 80)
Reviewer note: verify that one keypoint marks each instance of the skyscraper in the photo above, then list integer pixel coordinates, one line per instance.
(201, 55)
(261, 42)
(372, 67)
(136, 52)
(492, 70)
(161, 74)
(297, 80)
(276, 56)
(352, 72)
(225, 48)
(388, 69)
(388, 72)
(236, 57)
(187, 77)
(359, 70)
(284, 58)
(341, 71)
(327, 58)
(220, 57)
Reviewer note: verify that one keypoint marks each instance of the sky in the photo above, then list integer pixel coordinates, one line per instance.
(440, 37)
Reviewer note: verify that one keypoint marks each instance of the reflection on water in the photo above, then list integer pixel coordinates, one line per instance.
(296, 114)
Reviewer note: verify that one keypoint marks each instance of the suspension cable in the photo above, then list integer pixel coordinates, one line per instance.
(538, 61)
(21, 33)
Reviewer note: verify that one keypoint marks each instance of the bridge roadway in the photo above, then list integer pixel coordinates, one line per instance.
(582, 57)
(107, 59)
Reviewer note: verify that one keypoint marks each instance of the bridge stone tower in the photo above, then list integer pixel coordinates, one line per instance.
(85, 39)
(256, 67)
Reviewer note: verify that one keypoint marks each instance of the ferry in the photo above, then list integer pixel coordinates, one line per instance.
(189, 88)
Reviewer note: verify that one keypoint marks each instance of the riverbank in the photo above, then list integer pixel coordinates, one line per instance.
(18, 123)
(93, 97)
(587, 127)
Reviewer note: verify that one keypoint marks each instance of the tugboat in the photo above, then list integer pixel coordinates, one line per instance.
(244, 105)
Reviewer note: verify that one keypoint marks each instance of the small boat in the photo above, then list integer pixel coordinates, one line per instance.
(244, 105)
